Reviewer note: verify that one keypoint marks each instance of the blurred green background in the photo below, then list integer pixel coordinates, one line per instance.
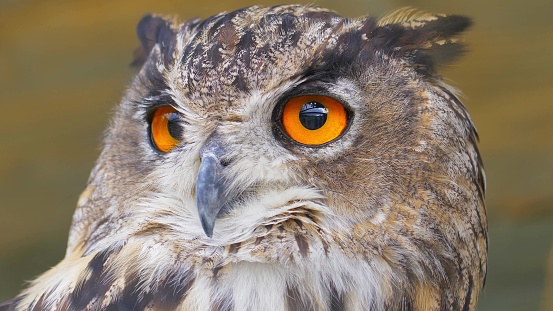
(64, 65)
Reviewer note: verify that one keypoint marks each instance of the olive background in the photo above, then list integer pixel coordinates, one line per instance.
(65, 64)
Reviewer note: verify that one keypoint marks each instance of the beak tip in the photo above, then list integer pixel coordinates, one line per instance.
(207, 226)
(208, 232)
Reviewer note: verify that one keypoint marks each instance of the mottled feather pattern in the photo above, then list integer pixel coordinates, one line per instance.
(388, 217)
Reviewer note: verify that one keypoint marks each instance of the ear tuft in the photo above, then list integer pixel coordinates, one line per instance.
(428, 39)
(152, 30)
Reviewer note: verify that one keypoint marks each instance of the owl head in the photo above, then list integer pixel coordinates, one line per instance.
(283, 157)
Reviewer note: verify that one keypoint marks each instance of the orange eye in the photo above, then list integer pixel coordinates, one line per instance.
(314, 119)
(165, 130)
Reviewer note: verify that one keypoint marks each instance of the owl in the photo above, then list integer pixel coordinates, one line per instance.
(281, 158)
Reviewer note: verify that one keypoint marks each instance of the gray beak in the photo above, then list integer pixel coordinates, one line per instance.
(210, 186)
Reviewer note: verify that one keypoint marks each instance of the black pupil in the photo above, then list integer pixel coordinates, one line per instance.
(313, 115)
(173, 125)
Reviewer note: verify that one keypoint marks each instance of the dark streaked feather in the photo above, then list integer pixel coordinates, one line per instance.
(9, 305)
(427, 39)
(152, 30)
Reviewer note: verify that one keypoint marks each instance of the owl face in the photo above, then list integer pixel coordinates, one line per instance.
(286, 146)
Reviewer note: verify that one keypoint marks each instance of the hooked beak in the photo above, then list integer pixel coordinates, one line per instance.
(210, 186)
